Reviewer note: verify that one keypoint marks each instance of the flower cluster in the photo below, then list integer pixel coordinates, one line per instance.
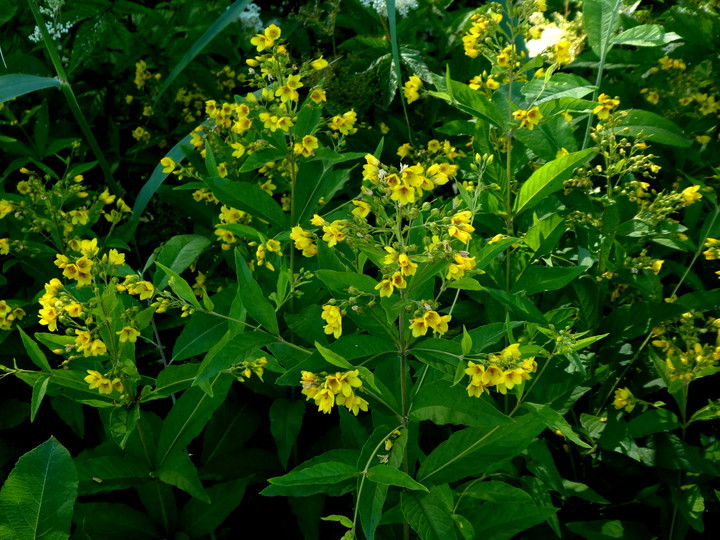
(624, 399)
(503, 370)
(244, 370)
(333, 318)
(338, 389)
(412, 88)
(528, 119)
(8, 315)
(429, 320)
(605, 106)
(687, 355)
(103, 384)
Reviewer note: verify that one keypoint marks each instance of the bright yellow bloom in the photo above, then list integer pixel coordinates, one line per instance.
(334, 232)
(605, 106)
(168, 164)
(128, 333)
(362, 209)
(306, 146)
(344, 124)
(303, 241)
(411, 88)
(319, 64)
(407, 267)
(624, 399)
(332, 316)
(528, 119)
(318, 95)
(690, 195)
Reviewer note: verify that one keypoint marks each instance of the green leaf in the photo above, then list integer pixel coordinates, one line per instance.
(554, 420)
(239, 348)
(606, 530)
(653, 421)
(200, 519)
(122, 423)
(229, 16)
(113, 522)
(494, 491)
(645, 35)
(476, 451)
(188, 417)
(248, 198)
(180, 287)
(37, 499)
(318, 478)
(177, 470)
(38, 393)
(386, 475)
(15, 85)
(340, 281)
(466, 342)
(253, 298)
(285, 422)
(493, 521)
(333, 358)
(466, 99)
(549, 179)
(650, 126)
(33, 350)
(536, 279)
(157, 178)
(441, 403)
(178, 254)
(428, 515)
(601, 18)
(519, 306)
(343, 520)
(465, 284)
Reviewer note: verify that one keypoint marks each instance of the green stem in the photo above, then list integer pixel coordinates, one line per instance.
(72, 101)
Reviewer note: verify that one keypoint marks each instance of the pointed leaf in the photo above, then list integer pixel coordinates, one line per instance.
(384, 474)
(549, 179)
(15, 85)
(38, 496)
(253, 298)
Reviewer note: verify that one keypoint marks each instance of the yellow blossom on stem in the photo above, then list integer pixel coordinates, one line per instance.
(624, 399)
(128, 333)
(605, 105)
(332, 316)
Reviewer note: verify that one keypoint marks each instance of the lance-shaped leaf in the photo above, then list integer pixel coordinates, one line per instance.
(549, 179)
(384, 474)
(651, 127)
(253, 298)
(15, 85)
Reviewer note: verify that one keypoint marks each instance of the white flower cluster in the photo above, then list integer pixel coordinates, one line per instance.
(250, 18)
(403, 7)
(54, 26)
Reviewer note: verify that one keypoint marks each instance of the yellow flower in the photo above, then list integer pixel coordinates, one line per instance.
(385, 287)
(334, 232)
(403, 194)
(437, 322)
(325, 400)
(528, 119)
(128, 333)
(319, 64)
(411, 88)
(332, 316)
(4, 246)
(306, 146)
(143, 288)
(344, 124)
(238, 148)
(362, 209)
(398, 280)
(74, 309)
(605, 106)
(5, 208)
(303, 241)
(289, 92)
(690, 195)
(407, 267)
(624, 399)
(318, 95)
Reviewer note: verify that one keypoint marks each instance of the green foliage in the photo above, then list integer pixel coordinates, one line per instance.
(486, 309)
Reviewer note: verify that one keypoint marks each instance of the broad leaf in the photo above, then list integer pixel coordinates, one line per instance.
(15, 85)
(36, 500)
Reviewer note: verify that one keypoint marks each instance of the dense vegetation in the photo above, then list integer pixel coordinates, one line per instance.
(359, 269)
